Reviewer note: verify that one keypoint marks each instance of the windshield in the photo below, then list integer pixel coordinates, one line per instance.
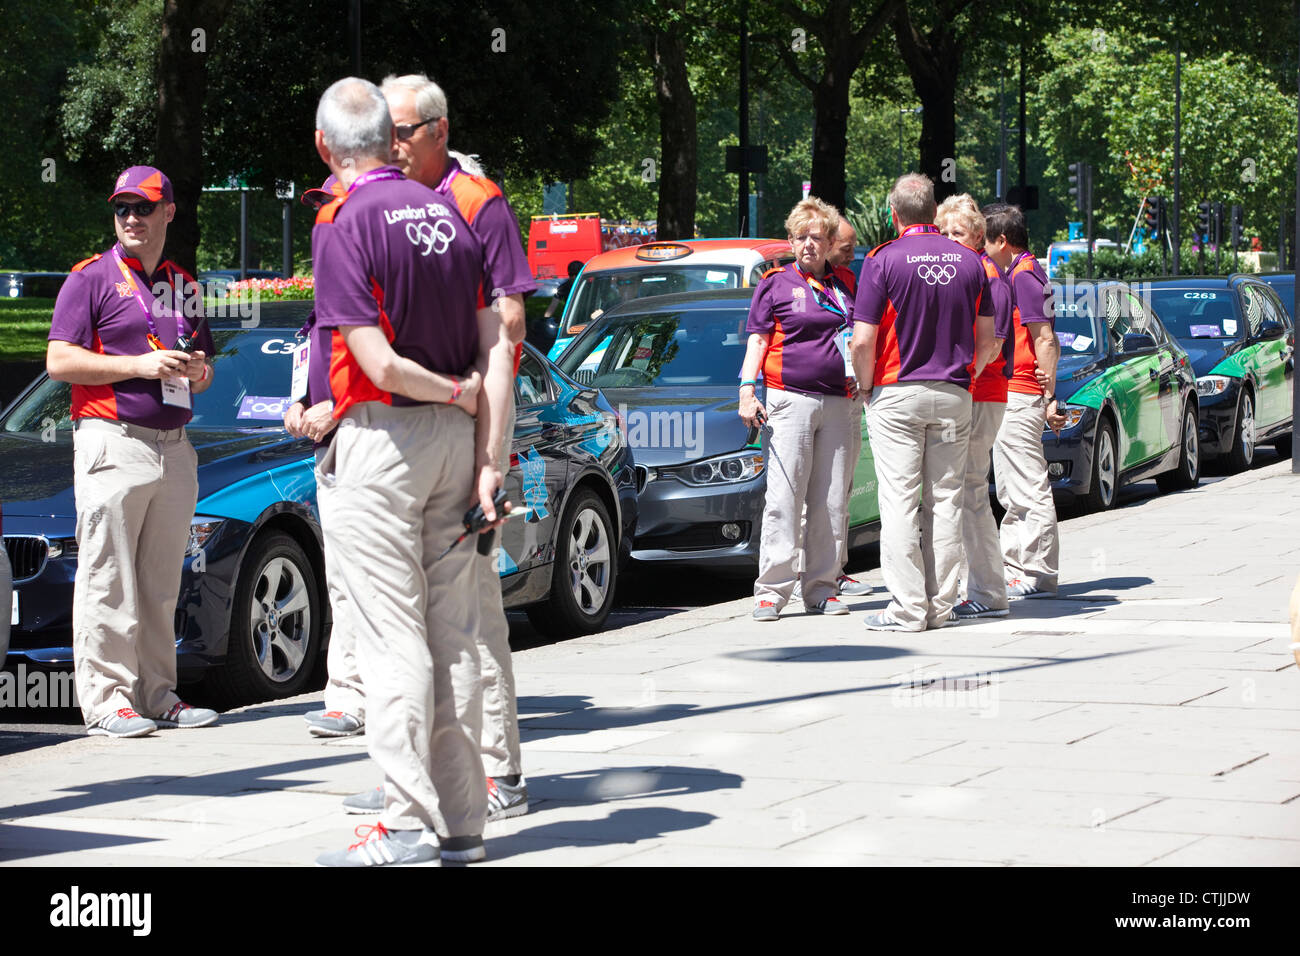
(250, 388)
(1075, 321)
(599, 292)
(1197, 313)
(704, 347)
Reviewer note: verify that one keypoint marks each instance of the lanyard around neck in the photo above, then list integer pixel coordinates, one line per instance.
(139, 297)
(822, 293)
(374, 176)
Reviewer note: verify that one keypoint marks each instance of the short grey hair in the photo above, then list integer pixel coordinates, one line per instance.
(912, 199)
(353, 116)
(430, 100)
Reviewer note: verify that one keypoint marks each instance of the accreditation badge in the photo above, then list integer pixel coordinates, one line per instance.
(176, 392)
(301, 361)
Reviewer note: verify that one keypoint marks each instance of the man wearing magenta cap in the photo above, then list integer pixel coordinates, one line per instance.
(121, 337)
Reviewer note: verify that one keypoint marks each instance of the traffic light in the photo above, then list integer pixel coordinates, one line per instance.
(1153, 216)
(1218, 224)
(1237, 227)
(1079, 185)
(1201, 230)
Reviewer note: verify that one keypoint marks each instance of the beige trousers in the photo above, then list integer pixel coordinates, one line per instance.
(919, 438)
(1030, 546)
(135, 490)
(344, 691)
(402, 479)
(807, 460)
(985, 581)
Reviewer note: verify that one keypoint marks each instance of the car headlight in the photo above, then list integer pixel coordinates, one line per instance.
(725, 469)
(62, 547)
(201, 529)
(1212, 385)
(1073, 415)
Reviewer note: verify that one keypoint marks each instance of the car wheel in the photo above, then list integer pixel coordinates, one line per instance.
(1105, 468)
(1188, 473)
(275, 624)
(1242, 452)
(584, 573)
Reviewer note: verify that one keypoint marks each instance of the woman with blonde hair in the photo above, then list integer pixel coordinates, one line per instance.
(798, 328)
(959, 218)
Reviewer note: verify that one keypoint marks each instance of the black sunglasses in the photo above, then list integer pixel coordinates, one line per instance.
(142, 210)
(407, 130)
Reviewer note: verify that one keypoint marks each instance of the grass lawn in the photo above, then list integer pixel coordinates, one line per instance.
(24, 326)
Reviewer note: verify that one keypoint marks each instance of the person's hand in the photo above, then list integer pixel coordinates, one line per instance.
(1055, 418)
(293, 420)
(161, 363)
(196, 367)
(751, 409)
(470, 388)
(1044, 379)
(853, 388)
(318, 421)
(489, 480)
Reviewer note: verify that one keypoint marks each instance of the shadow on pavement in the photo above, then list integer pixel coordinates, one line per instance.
(23, 842)
(631, 825)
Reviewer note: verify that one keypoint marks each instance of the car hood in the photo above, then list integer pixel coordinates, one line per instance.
(1074, 371)
(671, 426)
(1205, 354)
(36, 479)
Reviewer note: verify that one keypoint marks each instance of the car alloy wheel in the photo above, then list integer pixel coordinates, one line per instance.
(585, 573)
(280, 620)
(1188, 472)
(276, 626)
(1106, 466)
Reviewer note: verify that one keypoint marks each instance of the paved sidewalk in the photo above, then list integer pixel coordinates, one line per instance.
(1147, 717)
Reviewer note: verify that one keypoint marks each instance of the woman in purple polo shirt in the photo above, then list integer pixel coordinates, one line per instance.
(798, 325)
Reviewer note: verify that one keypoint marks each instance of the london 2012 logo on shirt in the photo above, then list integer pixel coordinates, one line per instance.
(434, 236)
(936, 275)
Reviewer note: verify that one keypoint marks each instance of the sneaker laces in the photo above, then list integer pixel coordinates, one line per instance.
(335, 714)
(767, 604)
(376, 832)
(126, 713)
(177, 707)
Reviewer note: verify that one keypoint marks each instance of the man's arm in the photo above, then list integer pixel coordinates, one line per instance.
(750, 407)
(514, 318)
(1047, 350)
(862, 349)
(987, 345)
(401, 376)
(66, 362)
(496, 365)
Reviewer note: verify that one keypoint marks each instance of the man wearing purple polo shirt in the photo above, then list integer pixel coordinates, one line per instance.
(116, 323)
(402, 470)
(419, 110)
(922, 318)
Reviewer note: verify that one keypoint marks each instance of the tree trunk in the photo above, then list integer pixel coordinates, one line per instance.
(677, 136)
(933, 61)
(189, 31)
(831, 137)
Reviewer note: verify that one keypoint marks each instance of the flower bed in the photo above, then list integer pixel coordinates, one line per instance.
(299, 287)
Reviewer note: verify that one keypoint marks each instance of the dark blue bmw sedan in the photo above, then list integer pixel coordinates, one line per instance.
(252, 616)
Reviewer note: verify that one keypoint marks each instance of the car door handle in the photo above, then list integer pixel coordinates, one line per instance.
(1153, 375)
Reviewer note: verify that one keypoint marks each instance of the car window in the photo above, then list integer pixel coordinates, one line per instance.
(1189, 313)
(695, 347)
(601, 291)
(1253, 305)
(1075, 320)
(1272, 315)
(532, 383)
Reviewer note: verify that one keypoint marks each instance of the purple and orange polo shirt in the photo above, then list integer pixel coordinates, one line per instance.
(397, 255)
(1031, 299)
(991, 386)
(801, 315)
(97, 310)
(924, 291)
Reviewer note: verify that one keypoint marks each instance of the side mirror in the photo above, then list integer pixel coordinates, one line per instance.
(1138, 342)
(1271, 331)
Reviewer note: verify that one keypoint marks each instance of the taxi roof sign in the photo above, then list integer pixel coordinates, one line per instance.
(662, 251)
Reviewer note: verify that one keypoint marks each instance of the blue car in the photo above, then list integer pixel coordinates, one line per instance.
(252, 616)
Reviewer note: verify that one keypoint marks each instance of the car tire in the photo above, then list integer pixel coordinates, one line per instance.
(276, 624)
(1242, 452)
(1104, 486)
(585, 572)
(1188, 473)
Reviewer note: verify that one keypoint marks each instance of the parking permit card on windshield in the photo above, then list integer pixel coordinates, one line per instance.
(1081, 343)
(298, 386)
(263, 407)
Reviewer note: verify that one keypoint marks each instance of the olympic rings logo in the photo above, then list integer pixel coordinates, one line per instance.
(937, 275)
(267, 408)
(434, 238)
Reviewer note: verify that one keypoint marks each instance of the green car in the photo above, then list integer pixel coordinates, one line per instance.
(1241, 343)
(1128, 393)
